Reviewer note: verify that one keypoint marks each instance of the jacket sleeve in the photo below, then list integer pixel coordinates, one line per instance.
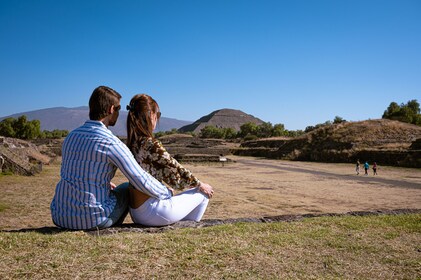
(164, 167)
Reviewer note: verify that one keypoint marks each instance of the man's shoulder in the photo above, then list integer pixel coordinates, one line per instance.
(96, 132)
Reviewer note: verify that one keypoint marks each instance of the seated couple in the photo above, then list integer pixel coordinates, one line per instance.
(85, 198)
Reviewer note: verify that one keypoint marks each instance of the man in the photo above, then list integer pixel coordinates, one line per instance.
(85, 197)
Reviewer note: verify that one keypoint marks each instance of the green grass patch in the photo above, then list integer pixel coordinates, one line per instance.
(3, 207)
(375, 247)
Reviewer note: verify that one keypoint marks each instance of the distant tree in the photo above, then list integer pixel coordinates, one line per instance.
(168, 132)
(19, 127)
(23, 129)
(391, 111)
(338, 119)
(6, 127)
(279, 130)
(32, 130)
(293, 133)
(229, 133)
(55, 134)
(248, 128)
(414, 106)
(409, 112)
(311, 128)
(211, 131)
(265, 130)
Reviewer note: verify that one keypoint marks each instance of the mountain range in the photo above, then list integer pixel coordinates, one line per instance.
(70, 118)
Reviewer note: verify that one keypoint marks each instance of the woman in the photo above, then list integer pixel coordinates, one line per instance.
(374, 168)
(151, 155)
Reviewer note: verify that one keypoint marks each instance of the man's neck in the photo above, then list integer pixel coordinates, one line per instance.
(105, 121)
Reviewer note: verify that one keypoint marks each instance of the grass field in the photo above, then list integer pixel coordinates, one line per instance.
(345, 247)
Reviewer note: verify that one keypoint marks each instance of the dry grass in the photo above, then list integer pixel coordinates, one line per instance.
(376, 247)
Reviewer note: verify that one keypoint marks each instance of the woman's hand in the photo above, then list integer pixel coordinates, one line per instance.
(206, 189)
(112, 185)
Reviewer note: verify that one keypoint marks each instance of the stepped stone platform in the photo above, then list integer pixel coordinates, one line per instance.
(388, 142)
(186, 148)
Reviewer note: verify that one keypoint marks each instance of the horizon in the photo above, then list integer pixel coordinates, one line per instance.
(122, 119)
(296, 63)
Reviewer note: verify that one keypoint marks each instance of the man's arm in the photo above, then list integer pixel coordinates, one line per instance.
(121, 156)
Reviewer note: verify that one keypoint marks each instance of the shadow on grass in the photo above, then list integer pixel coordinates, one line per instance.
(210, 222)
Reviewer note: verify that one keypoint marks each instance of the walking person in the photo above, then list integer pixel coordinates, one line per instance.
(366, 167)
(357, 167)
(374, 168)
(85, 197)
(142, 119)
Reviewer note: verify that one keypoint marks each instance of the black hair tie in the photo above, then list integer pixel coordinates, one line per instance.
(129, 108)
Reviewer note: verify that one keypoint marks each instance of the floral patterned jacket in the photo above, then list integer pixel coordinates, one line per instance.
(155, 159)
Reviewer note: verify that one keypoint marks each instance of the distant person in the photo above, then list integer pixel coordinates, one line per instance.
(1, 164)
(142, 119)
(366, 167)
(374, 168)
(85, 197)
(357, 167)
(222, 159)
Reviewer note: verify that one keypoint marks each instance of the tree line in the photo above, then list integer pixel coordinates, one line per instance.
(28, 130)
(248, 131)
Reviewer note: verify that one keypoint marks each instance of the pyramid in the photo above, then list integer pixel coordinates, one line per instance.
(223, 118)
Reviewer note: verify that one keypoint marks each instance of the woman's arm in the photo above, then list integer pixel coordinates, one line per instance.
(164, 167)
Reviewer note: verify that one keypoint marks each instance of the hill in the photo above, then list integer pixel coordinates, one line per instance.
(385, 141)
(70, 118)
(223, 118)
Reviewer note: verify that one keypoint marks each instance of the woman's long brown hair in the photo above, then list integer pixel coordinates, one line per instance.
(139, 122)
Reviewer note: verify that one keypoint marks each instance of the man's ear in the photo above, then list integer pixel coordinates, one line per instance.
(111, 110)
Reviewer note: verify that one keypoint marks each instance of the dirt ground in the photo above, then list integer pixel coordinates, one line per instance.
(259, 187)
(248, 187)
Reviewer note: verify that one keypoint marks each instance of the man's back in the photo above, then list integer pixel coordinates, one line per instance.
(83, 198)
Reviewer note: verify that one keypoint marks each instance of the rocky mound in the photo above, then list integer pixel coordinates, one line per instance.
(224, 118)
(385, 141)
(21, 157)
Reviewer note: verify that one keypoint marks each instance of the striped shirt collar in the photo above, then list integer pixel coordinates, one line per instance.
(95, 123)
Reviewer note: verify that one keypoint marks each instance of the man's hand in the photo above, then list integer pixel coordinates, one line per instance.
(171, 190)
(206, 189)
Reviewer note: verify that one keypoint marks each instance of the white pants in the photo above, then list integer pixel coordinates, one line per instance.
(186, 206)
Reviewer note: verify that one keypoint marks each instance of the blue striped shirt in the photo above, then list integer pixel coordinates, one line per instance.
(91, 155)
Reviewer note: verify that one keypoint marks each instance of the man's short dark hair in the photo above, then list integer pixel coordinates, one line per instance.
(101, 100)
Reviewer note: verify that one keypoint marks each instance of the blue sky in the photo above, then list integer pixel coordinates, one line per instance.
(299, 63)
